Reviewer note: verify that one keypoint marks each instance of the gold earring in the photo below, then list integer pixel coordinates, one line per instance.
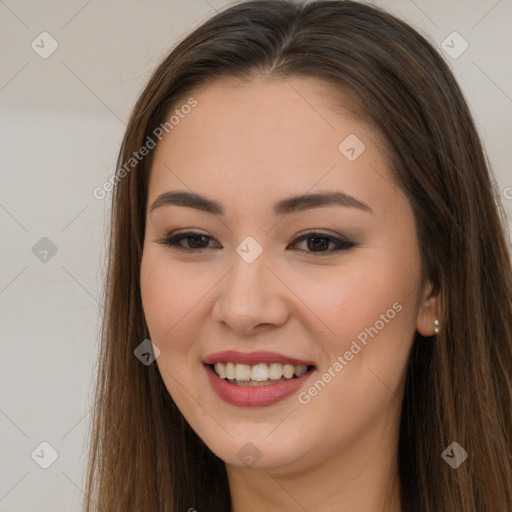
(436, 323)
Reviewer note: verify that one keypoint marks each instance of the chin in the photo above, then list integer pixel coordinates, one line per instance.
(256, 450)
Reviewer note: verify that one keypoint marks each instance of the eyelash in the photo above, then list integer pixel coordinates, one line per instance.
(171, 241)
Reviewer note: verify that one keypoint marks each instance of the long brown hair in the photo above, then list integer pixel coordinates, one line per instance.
(143, 454)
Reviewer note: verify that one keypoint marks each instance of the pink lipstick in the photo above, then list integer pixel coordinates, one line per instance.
(262, 378)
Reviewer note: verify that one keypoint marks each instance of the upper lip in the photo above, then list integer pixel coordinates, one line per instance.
(252, 358)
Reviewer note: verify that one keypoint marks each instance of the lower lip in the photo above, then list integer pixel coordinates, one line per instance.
(254, 396)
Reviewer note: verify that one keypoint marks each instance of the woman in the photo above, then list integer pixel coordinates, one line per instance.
(308, 304)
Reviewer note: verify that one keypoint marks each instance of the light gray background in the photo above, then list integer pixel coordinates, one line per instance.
(61, 123)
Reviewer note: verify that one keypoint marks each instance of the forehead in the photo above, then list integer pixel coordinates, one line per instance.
(269, 138)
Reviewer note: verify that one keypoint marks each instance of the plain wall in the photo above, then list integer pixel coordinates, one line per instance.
(61, 123)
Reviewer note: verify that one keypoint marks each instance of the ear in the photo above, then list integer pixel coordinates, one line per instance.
(429, 311)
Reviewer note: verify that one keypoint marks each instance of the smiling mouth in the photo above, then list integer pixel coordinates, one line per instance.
(261, 374)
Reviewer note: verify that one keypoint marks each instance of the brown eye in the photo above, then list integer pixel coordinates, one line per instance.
(195, 241)
(320, 242)
(317, 243)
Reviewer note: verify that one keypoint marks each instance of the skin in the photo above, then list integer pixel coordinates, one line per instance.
(248, 146)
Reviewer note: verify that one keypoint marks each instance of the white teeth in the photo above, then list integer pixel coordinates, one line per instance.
(300, 369)
(230, 371)
(259, 372)
(242, 372)
(220, 368)
(275, 370)
(288, 371)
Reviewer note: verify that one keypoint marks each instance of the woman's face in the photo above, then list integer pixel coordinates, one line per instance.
(344, 312)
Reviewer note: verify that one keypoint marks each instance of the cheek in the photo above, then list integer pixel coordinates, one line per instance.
(366, 314)
(347, 300)
(168, 297)
(171, 300)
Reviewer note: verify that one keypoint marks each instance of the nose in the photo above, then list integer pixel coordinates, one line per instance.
(251, 297)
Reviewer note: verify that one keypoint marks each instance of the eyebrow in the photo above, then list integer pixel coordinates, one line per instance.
(283, 207)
